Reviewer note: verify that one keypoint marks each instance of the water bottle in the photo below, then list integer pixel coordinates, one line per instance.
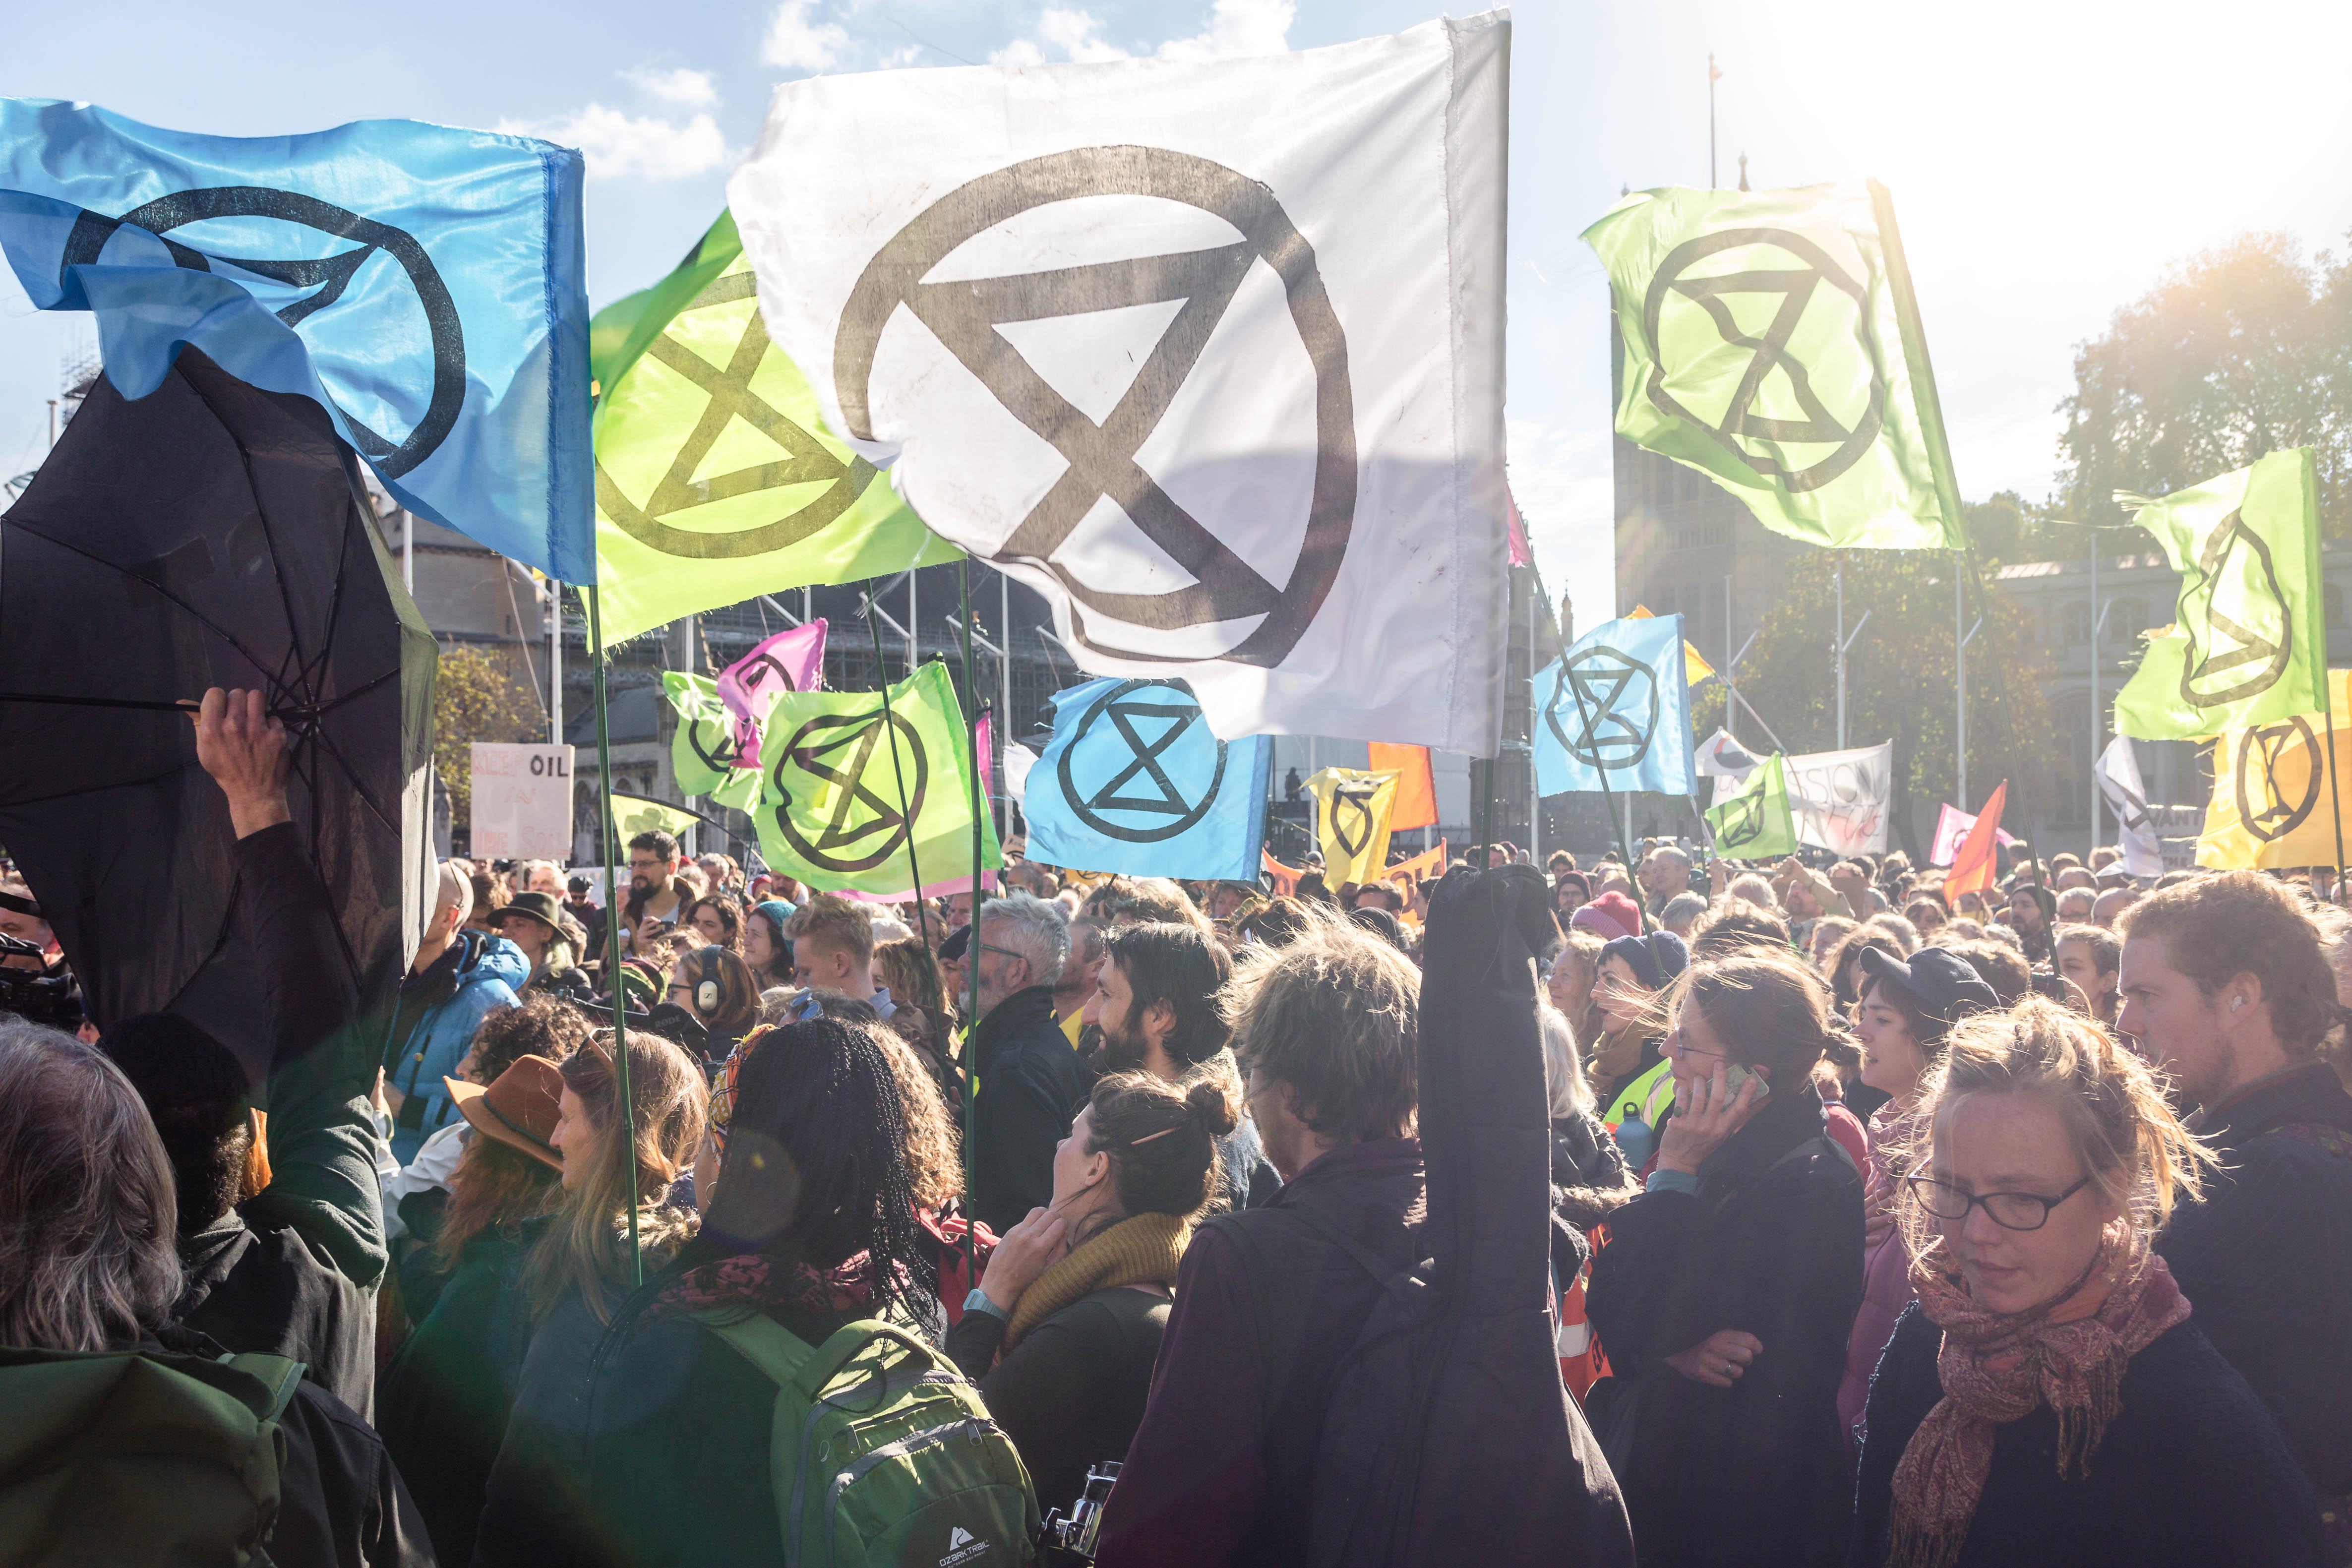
(1636, 1140)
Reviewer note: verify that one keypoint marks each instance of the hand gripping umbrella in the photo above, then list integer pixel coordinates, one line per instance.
(208, 534)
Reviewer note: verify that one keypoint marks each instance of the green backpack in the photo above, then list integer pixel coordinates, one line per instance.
(882, 1453)
(155, 1457)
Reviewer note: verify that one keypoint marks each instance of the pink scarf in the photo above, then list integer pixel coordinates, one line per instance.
(1999, 1367)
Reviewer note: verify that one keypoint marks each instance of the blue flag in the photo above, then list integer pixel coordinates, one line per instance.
(1618, 699)
(426, 285)
(1133, 781)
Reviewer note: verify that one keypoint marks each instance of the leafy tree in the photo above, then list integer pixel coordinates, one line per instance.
(1899, 684)
(475, 697)
(2237, 352)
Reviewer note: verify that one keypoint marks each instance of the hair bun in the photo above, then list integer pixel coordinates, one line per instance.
(1214, 1098)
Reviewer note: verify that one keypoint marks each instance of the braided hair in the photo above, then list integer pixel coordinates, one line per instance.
(817, 1162)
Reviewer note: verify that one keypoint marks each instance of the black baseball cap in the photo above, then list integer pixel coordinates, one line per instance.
(1940, 982)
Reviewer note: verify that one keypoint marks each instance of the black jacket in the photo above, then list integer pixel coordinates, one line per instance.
(2191, 1472)
(1030, 1084)
(1071, 1393)
(293, 1270)
(341, 1503)
(442, 1404)
(2265, 1258)
(1770, 1244)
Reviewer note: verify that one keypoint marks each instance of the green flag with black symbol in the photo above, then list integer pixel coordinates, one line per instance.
(714, 479)
(702, 752)
(634, 814)
(848, 787)
(1757, 823)
(1771, 340)
(2249, 643)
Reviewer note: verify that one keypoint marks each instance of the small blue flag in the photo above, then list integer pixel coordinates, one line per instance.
(426, 285)
(1134, 780)
(1618, 700)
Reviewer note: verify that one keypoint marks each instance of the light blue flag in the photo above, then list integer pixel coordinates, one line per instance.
(1618, 700)
(1133, 781)
(426, 285)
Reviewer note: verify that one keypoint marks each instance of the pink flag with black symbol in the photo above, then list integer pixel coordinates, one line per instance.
(790, 661)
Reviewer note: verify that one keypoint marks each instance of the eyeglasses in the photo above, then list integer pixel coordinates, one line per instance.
(1004, 952)
(2010, 1211)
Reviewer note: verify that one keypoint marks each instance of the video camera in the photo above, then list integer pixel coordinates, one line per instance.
(39, 995)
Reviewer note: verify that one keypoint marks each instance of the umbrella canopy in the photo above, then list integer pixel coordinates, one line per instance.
(208, 534)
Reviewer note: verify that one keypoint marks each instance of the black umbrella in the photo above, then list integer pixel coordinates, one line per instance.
(208, 534)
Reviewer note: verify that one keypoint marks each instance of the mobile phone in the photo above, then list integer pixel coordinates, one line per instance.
(1734, 1076)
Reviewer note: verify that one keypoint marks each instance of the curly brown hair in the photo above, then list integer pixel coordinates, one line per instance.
(2243, 923)
(934, 1154)
(1337, 1017)
(537, 1026)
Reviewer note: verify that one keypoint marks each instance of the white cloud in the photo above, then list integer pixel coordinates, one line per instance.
(797, 41)
(1019, 52)
(1062, 32)
(1237, 27)
(621, 146)
(679, 86)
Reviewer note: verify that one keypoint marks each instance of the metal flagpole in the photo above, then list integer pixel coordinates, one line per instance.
(1960, 686)
(1003, 736)
(2096, 622)
(971, 968)
(554, 663)
(2328, 707)
(898, 769)
(1534, 796)
(1837, 582)
(1622, 827)
(613, 919)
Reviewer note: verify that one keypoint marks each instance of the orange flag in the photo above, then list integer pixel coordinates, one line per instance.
(1285, 878)
(1416, 791)
(1973, 863)
(1428, 863)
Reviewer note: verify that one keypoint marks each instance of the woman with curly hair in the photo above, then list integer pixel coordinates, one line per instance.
(2050, 1398)
(811, 1225)
(718, 919)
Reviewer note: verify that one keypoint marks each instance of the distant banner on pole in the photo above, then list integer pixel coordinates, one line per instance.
(1417, 802)
(1952, 826)
(2270, 807)
(1771, 342)
(2126, 798)
(1756, 822)
(1283, 877)
(1133, 781)
(791, 660)
(847, 787)
(1977, 859)
(1841, 798)
(1428, 864)
(521, 800)
(2249, 643)
(1693, 666)
(1721, 757)
(1352, 823)
(634, 814)
(1618, 700)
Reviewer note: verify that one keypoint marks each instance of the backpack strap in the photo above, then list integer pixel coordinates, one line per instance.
(767, 1345)
(1386, 1275)
(278, 1375)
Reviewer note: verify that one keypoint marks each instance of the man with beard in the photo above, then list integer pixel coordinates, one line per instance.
(657, 898)
(1156, 1005)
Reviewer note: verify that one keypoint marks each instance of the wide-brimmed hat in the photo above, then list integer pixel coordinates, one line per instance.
(540, 907)
(519, 1110)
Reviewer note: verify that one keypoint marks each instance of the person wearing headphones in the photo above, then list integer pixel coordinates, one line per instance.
(716, 987)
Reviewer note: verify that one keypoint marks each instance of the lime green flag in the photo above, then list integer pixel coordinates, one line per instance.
(837, 804)
(634, 814)
(702, 752)
(714, 479)
(2249, 645)
(1755, 823)
(1771, 340)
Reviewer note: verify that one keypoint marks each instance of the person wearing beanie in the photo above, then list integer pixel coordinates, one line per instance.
(1608, 917)
(1633, 970)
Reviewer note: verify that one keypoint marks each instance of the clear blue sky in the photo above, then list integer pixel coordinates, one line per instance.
(2048, 158)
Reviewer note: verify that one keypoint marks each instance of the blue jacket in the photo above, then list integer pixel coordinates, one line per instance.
(433, 1025)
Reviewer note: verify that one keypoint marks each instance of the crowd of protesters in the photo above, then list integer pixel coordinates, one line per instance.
(1887, 1229)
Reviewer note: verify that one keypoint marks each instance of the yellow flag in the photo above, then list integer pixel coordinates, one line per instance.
(2271, 806)
(1695, 668)
(1351, 822)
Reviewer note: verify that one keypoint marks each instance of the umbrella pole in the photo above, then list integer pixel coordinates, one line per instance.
(612, 931)
(972, 969)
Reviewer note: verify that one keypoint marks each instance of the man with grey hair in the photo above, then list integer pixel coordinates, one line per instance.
(1665, 874)
(2074, 906)
(1030, 1077)
(1681, 912)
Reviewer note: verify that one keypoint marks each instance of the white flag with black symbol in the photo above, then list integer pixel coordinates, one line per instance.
(2120, 787)
(1209, 353)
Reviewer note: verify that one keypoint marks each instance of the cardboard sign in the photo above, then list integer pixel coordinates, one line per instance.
(523, 801)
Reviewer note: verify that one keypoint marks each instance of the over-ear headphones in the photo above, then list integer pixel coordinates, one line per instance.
(706, 989)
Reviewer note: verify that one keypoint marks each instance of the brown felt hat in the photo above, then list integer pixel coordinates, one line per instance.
(519, 1110)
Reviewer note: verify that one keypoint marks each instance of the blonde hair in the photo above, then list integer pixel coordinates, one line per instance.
(585, 1249)
(2111, 1104)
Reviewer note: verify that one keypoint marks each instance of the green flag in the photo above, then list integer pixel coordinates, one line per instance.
(1771, 340)
(1755, 823)
(714, 479)
(830, 806)
(634, 814)
(2249, 645)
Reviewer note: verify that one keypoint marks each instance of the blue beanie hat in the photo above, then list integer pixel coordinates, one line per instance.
(1656, 959)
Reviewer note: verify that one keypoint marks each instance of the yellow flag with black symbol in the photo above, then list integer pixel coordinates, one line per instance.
(715, 480)
(2272, 804)
(1695, 668)
(1352, 808)
(634, 814)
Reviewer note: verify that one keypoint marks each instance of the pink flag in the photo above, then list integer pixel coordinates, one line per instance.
(980, 753)
(790, 661)
(1952, 826)
(1520, 554)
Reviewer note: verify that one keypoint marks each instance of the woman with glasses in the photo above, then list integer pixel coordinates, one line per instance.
(1724, 1296)
(2050, 1398)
